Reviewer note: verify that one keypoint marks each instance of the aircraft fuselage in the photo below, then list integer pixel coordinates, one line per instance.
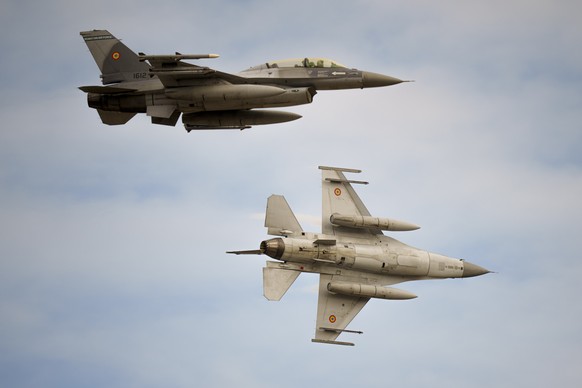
(385, 256)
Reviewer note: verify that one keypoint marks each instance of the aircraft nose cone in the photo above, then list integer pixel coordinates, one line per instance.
(471, 270)
(374, 80)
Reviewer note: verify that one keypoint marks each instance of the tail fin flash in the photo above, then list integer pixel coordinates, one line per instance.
(115, 60)
(338, 196)
(279, 218)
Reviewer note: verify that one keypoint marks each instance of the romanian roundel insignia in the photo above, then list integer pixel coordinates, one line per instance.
(332, 318)
(337, 191)
(115, 55)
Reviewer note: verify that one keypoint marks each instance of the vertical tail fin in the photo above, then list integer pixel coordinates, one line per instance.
(115, 60)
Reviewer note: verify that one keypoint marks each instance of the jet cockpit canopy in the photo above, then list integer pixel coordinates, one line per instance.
(305, 62)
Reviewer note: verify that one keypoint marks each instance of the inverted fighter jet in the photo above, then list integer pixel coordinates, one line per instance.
(164, 86)
(354, 259)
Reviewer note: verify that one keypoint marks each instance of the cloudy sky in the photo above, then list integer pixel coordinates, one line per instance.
(112, 239)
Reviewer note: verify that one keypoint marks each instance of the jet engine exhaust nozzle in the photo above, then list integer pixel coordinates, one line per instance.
(273, 248)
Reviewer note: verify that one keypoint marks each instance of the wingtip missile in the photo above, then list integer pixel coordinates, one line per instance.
(174, 57)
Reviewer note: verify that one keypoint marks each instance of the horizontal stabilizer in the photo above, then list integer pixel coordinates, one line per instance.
(279, 218)
(114, 118)
(276, 282)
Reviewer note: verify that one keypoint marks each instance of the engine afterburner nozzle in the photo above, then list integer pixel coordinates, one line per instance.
(273, 248)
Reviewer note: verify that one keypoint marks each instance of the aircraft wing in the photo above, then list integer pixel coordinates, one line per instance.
(335, 312)
(172, 72)
(338, 196)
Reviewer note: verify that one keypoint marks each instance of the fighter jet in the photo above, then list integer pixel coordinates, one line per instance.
(354, 259)
(164, 86)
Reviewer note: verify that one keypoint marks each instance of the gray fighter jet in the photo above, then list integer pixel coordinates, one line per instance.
(164, 86)
(354, 259)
